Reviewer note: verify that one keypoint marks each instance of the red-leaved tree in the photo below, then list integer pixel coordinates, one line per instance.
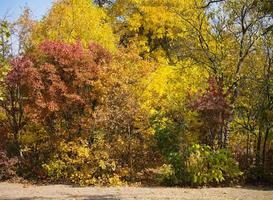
(58, 86)
(22, 88)
(213, 110)
(72, 84)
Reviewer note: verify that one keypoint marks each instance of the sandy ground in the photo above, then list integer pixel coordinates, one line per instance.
(26, 192)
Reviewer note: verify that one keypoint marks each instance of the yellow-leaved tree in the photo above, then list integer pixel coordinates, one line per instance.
(75, 20)
(158, 27)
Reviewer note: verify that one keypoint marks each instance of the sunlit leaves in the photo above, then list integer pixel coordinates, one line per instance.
(156, 27)
(75, 20)
(4, 30)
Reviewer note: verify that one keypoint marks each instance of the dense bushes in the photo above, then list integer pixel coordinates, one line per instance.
(74, 123)
(8, 166)
(200, 165)
(76, 162)
(206, 166)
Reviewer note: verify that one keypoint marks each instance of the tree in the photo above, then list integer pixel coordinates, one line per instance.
(5, 33)
(72, 86)
(213, 110)
(4, 49)
(56, 86)
(255, 104)
(22, 84)
(225, 45)
(122, 115)
(24, 26)
(155, 26)
(70, 21)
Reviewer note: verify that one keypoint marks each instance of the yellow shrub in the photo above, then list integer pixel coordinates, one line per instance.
(79, 163)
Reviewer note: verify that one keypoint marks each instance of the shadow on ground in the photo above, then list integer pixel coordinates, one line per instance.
(258, 188)
(81, 197)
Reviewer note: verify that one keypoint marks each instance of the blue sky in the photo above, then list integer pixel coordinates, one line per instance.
(13, 8)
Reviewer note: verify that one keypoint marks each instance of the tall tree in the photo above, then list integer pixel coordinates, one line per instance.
(155, 26)
(24, 26)
(5, 47)
(225, 45)
(70, 21)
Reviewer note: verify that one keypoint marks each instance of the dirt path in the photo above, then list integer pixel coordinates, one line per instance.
(10, 191)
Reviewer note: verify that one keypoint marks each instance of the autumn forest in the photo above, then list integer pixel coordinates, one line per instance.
(150, 92)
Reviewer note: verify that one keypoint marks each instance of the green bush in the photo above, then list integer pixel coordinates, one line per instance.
(165, 175)
(199, 165)
(205, 166)
(168, 136)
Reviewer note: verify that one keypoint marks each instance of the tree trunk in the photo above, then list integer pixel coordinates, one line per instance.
(247, 150)
(264, 147)
(226, 134)
(258, 149)
(17, 149)
(130, 156)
